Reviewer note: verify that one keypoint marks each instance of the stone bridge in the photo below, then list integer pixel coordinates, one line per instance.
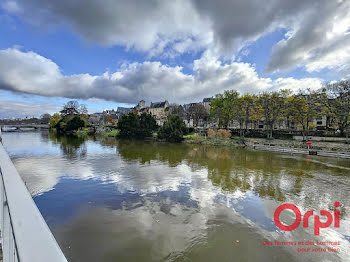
(7, 127)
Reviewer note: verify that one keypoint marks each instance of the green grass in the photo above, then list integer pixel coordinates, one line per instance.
(82, 132)
(112, 133)
(203, 140)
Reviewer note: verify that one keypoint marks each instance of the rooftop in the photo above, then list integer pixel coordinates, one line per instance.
(158, 104)
(207, 99)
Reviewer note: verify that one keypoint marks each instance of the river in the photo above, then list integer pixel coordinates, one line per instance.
(110, 200)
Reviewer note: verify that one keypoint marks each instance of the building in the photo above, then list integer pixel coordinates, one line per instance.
(141, 105)
(206, 103)
(109, 112)
(319, 123)
(123, 110)
(94, 118)
(159, 111)
(187, 106)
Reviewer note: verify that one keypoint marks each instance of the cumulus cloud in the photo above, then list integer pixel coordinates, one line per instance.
(28, 72)
(321, 40)
(143, 25)
(317, 30)
(297, 84)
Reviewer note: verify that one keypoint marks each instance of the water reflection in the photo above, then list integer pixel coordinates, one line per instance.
(144, 152)
(72, 147)
(110, 200)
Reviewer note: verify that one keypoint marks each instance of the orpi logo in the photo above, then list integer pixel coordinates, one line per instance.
(317, 222)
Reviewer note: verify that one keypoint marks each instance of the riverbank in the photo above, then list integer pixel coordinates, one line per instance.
(281, 143)
(331, 149)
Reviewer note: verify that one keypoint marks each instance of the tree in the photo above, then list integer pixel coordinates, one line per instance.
(70, 108)
(257, 112)
(69, 123)
(128, 125)
(75, 123)
(245, 111)
(299, 110)
(173, 129)
(133, 126)
(178, 110)
(45, 118)
(197, 112)
(54, 119)
(339, 94)
(272, 106)
(147, 125)
(305, 107)
(224, 107)
(83, 110)
(110, 119)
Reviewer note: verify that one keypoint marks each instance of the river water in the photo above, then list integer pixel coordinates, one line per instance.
(109, 200)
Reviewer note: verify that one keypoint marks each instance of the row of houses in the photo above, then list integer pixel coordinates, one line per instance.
(318, 124)
(161, 110)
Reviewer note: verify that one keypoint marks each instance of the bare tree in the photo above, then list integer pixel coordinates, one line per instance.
(178, 110)
(70, 108)
(45, 118)
(197, 112)
(83, 109)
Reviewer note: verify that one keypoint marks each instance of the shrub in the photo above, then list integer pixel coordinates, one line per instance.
(61, 126)
(224, 134)
(54, 119)
(69, 124)
(173, 129)
(211, 133)
(75, 123)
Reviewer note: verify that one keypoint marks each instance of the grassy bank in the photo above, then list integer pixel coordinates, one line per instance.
(203, 140)
(112, 133)
(250, 142)
(83, 132)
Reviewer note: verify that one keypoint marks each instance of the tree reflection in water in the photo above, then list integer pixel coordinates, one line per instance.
(73, 147)
(231, 169)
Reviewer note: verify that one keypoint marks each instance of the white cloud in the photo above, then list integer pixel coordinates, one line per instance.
(11, 108)
(320, 40)
(317, 30)
(143, 25)
(28, 72)
(338, 59)
(297, 84)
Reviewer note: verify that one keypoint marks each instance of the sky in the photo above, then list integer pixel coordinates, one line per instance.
(110, 53)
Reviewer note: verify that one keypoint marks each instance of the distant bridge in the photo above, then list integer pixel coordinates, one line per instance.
(7, 127)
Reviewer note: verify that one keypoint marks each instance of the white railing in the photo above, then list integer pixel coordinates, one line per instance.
(25, 235)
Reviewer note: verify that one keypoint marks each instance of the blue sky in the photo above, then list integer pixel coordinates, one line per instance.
(182, 51)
